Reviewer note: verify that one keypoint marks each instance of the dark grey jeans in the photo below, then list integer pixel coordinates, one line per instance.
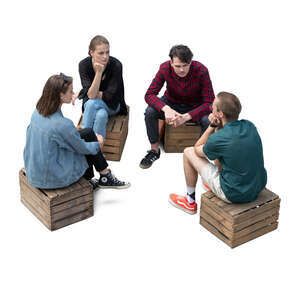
(152, 116)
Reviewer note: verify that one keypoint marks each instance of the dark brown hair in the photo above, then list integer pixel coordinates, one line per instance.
(50, 100)
(97, 40)
(229, 105)
(182, 52)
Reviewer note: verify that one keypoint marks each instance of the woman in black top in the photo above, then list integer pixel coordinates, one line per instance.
(102, 86)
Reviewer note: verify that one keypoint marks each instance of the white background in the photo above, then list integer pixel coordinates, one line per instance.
(137, 246)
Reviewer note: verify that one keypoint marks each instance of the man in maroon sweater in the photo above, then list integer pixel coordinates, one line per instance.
(188, 97)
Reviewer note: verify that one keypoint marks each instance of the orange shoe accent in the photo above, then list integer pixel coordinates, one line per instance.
(182, 203)
(206, 187)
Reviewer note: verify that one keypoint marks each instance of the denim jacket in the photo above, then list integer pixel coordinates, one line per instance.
(54, 154)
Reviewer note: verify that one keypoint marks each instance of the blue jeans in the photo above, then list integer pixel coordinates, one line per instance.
(96, 114)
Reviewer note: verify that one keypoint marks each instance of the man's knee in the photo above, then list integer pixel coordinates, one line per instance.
(151, 113)
(188, 152)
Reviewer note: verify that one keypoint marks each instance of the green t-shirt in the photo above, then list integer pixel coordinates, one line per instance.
(239, 149)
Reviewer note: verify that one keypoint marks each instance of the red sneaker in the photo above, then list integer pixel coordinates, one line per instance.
(183, 204)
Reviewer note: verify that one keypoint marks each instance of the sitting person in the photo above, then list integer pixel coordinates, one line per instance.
(56, 154)
(102, 87)
(188, 96)
(238, 175)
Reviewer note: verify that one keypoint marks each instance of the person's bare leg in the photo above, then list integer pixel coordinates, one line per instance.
(155, 146)
(193, 165)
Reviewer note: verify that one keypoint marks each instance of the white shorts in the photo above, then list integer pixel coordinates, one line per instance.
(211, 176)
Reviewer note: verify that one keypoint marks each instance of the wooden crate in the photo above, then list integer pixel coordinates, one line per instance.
(177, 139)
(58, 207)
(116, 135)
(236, 224)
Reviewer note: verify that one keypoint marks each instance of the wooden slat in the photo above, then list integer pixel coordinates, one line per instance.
(241, 240)
(118, 125)
(183, 135)
(110, 125)
(173, 149)
(111, 149)
(239, 226)
(68, 205)
(256, 218)
(184, 129)
(228, 210)
(254, 227)
(71, 211)
(259, 210)
(226, 223)
(214, 231)
(218, 208)
(236, 235)
(113, 135)
(73, 219)
(24, 182)
(254, 235)
(35, 201)
(71, 195)
(112, 157)
(264, 196)
(182, 142)
(85, 183)
(111, 142)
(218, 226)
(71, 203)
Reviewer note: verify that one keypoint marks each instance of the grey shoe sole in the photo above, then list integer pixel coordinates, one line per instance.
(121, 187)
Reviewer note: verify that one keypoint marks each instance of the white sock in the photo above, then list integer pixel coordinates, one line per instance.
(190, 194)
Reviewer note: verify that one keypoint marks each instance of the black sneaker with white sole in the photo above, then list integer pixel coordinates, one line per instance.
(110, 181)
(149, 159)
(95, 183)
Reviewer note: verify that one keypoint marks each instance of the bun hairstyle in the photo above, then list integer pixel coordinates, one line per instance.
(97, 40)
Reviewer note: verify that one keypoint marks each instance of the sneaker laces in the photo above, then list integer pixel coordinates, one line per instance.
(152, 155)
(114, 179)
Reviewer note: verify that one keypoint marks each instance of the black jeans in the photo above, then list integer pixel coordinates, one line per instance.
(97, 160)
(152, 116)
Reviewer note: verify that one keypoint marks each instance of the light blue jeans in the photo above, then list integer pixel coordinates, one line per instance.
(96, 114)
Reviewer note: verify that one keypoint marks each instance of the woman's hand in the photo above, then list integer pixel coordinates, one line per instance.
(74, 97)
(98, 67)
(100, 140)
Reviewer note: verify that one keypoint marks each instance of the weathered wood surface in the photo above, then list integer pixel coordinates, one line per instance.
(177, 139)
(116, 135)
(60, 207)
(238, 223)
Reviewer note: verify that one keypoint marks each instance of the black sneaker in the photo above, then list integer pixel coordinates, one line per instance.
(95, 183)
(110, 181)
(149, 159)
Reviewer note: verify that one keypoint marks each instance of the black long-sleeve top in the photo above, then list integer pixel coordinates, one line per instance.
(111, 85)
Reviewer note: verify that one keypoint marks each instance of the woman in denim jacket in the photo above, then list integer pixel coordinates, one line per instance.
(56, 153)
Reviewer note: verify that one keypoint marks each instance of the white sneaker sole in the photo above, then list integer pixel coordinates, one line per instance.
(121, 187)
(182, 208)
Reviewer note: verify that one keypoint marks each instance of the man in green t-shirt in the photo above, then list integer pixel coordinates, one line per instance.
(237, 174)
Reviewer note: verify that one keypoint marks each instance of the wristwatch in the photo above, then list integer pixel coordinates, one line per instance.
(213, 125)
